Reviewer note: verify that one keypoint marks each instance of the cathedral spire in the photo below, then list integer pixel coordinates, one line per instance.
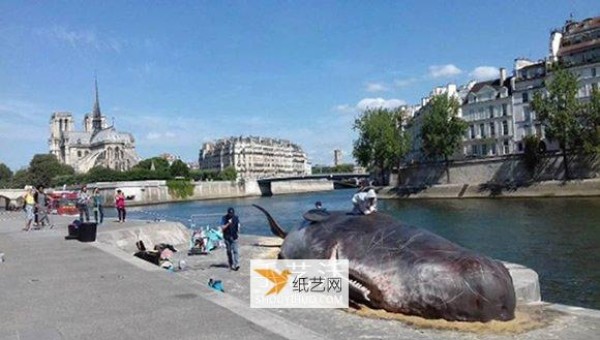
(96, 114)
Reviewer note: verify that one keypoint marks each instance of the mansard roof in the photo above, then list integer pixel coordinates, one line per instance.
(493, 84)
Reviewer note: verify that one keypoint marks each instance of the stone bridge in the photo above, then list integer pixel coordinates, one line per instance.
(307, 183)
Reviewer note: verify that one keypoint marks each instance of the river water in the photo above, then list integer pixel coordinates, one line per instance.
(557, 237)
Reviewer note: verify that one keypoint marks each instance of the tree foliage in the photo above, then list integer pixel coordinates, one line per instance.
(180, 188)
(381, 142)
(5, 175)
(160, 164)
(559, 110)
(442, 129)
(532, 154)
(20, 179)
(228, 174)
(341, 168)
(179, 168)
(591, 123)
(43, 168)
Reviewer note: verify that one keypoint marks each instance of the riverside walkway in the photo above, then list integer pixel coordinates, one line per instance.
(51, 288)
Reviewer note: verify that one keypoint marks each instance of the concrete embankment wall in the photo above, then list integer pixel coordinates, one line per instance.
(498, 170)
(150, 233)
(153, 192)
(300, 186)
(579, 188)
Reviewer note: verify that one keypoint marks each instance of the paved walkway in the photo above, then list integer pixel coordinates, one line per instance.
(51, 288)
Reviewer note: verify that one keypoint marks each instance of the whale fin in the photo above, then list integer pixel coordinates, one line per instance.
(275, 228)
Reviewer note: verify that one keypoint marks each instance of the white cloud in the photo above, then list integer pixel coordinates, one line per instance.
(376, 87)
(485, 73)
(440, 71)
(81, 38)
(373, 103)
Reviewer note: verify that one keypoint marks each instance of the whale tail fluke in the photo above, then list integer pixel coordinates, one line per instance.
(275, 228)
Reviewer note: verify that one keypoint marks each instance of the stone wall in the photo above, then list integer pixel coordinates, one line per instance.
(290, 187)
(153, 192)
(499, 170)
(574, 188)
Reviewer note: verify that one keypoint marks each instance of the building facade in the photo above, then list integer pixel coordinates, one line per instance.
(487, 110)
(499, 113)
(98, 145)
(337, 157)
(255, 157)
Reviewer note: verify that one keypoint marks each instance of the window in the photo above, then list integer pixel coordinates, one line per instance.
(491, 111)
(504, 109)
(506, 147)
(484, 150)
(472, 128)
(482, 130)
(593, 72)
(505, 128)
(527, 114)
(493, 149)
(525, 97)
(492, 129)
(79, 153)
(474, 150)
(520, 146)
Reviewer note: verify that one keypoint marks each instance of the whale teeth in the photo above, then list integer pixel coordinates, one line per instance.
(365, 291)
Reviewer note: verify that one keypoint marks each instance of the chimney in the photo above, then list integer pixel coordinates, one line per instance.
(502, 75)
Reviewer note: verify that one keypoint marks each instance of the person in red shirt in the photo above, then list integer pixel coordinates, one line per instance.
(120, 205)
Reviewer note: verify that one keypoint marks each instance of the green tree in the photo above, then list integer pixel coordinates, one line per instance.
(532, 154)
(5, 175)
(591, 123)
(44, 167)
(179, 168)
(442, 130)
(228, 174)
(102, 174)
(381, 140)
(160, 164)
(558, 111)
(20, 179)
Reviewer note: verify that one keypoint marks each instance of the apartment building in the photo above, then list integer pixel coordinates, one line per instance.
(255, 157)
(488, 111)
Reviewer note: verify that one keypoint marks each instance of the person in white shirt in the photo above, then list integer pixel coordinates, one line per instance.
(365, 203)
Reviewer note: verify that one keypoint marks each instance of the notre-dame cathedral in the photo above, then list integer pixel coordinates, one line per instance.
(97, 145)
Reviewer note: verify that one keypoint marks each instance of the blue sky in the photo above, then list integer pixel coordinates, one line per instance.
(177, 74)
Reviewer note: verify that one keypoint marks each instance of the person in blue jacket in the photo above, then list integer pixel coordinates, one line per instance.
(231, 227)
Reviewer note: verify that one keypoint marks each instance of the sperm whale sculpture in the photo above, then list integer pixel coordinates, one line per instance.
(403, 269)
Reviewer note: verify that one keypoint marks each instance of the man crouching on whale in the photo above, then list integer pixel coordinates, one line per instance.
(365, 203)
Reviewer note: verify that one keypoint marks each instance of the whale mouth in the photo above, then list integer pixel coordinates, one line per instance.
(360, 288)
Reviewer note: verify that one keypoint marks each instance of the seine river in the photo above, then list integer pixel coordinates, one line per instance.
(557, 237)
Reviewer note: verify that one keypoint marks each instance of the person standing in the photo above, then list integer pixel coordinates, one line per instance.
(28, 202)
(120, 205)
(231, 227)
(97, 201)
(41, 207)
(83, 204)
